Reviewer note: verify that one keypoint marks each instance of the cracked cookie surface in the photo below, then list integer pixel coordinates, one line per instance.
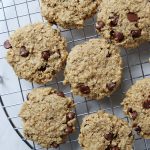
(103, 131)
(125, 22)
(68, 13)
(94, 69)
(137, 107)
(36, 52)
(47, 117)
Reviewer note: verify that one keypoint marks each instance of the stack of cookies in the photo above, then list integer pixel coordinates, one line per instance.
(93, 69)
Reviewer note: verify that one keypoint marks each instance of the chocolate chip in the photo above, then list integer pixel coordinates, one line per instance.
(118, 36)
(110, 86)
(138, 129)
(129, 110)
(130, 134)
(109, 136)
(69, 130)
(146, 104)
(136, 33)
(132, 17)
(134, 114)
(100, 25)
(7, 44)
(109, 147)
(70, 115)
(24, 52)
(114, 21)
(45, 55)
(61, 94)
(43, 68)
(108, 55)
(83, 88)
(115, 148)
(54, 145)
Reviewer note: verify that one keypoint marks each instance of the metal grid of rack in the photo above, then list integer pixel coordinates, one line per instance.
(13, 91)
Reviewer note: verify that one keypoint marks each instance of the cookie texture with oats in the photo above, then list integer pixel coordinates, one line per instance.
(68, 13)
(47, 117)
(94, 69)
(36, 52)
(125, 22)
(137, 107)
(103, 131)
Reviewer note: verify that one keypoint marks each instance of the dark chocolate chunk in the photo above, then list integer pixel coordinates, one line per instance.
(7, 44)
(109, 136)
(118, 36)
(45, 55)
(136, 33)
(83, 88)
(132, 17)
(24, 52)
(146, 104)
(114, 20)
(43, 68)
(100, 25)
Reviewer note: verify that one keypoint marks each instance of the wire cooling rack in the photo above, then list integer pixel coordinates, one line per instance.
(13, 91)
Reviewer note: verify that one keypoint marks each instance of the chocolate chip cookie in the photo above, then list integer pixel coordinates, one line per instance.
(103, 131)
(137, 107)
(94, 69)
(68, 13)
(47, 117)
(36, 52)
(124, 22)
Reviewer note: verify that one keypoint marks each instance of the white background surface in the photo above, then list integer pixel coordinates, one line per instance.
(136, 66)
(9, 140)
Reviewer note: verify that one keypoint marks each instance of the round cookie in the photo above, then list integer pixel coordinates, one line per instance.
(106, 132)
(137, 107)
(47, 117)
(36, 52)
(94, 69)
(68, 13)
(125, 22)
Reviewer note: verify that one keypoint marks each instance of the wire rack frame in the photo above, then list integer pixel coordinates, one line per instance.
(135, 67)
